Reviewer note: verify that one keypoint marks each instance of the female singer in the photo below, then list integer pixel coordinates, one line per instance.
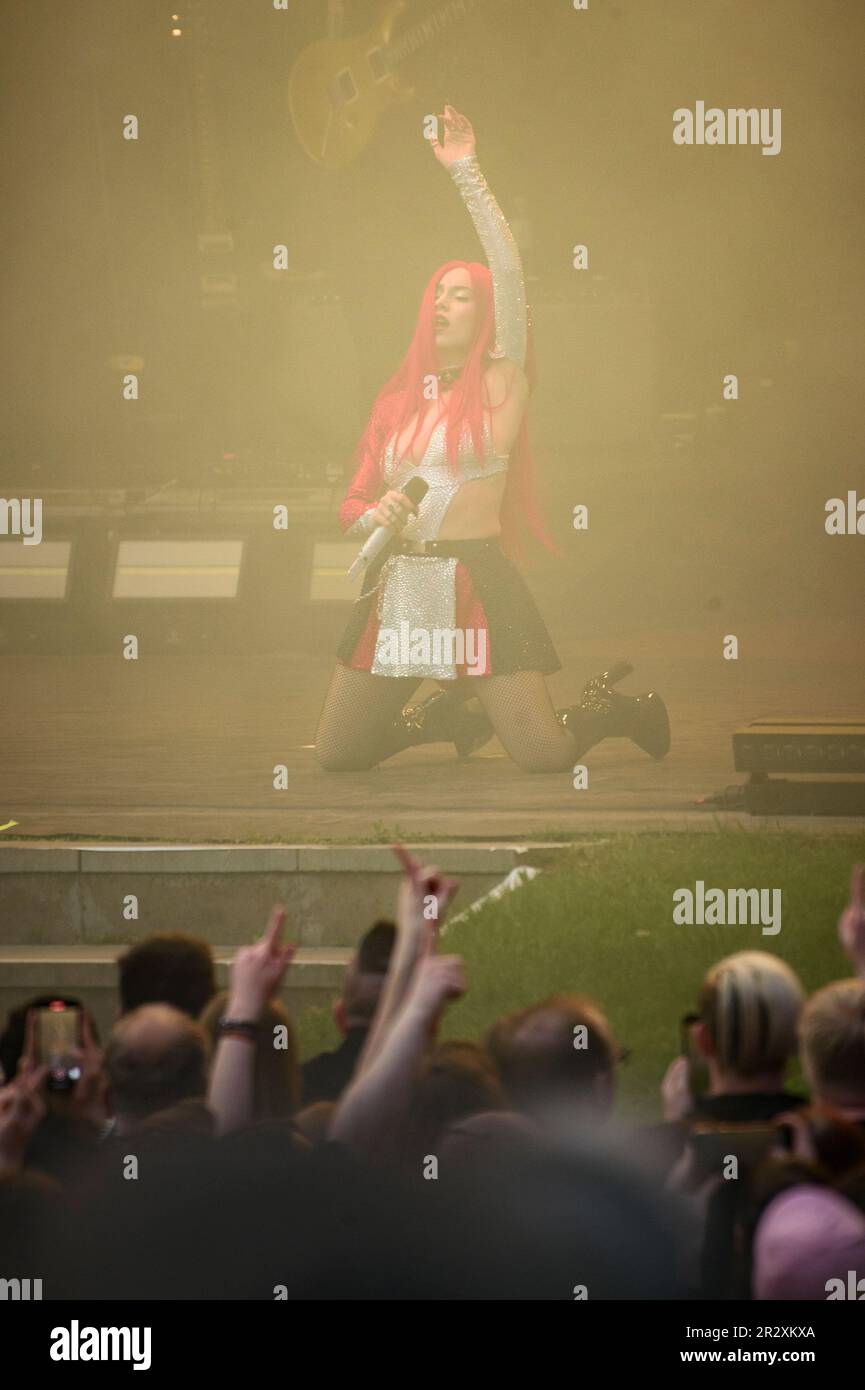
(454, 415)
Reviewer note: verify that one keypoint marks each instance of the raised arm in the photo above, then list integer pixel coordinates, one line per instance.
(373, 1108)
(457, 153)
(851, 923)
(417, 886)
(256, 975)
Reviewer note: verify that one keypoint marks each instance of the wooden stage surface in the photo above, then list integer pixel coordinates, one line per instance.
(182, 747)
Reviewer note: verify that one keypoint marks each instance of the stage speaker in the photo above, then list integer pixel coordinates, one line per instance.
(827, 756)
(40, 571)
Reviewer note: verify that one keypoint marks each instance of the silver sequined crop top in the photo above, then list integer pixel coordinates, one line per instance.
(442, 482)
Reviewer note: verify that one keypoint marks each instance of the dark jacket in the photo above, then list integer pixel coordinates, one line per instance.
(326, 1076)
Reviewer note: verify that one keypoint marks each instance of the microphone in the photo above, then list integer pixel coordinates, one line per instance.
(415, 490)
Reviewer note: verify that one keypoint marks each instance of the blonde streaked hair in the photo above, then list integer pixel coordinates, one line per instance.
(750, 1004)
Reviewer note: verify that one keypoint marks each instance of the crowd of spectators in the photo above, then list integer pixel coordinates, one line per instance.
(194, 1156)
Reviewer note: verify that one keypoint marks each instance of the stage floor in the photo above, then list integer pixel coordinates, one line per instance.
(183, 747)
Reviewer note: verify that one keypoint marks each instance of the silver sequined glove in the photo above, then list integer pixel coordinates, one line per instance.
(503, 257)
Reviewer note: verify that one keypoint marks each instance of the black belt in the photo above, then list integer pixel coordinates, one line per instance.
(455, 548)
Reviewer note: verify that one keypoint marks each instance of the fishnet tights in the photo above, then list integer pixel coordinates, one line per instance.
(358, 729)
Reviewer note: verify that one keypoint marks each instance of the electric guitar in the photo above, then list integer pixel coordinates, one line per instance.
(339, 88)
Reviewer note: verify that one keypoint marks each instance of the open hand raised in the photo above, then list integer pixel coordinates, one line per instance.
(459, 137)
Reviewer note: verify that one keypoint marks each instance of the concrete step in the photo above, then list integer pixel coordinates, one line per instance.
(95, 895)
(89, 973)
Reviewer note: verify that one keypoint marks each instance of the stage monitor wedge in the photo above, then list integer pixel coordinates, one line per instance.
(828, 756)
(800, 745)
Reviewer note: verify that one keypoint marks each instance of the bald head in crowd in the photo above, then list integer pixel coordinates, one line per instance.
(557, 1054)
(156, 1058)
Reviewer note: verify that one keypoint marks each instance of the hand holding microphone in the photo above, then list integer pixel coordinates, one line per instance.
(394, 509)
(391, 514)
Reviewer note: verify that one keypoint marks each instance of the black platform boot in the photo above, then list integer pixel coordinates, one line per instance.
(603, 713)
(443, 717)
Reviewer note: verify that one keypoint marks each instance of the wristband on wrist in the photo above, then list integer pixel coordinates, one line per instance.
(239, 1028)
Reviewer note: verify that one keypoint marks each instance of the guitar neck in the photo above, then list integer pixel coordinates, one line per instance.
(429, 28)
(210, 181)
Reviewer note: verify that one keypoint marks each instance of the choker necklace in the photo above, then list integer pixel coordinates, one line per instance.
(448, 375)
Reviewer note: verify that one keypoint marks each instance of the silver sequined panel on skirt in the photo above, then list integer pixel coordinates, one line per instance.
(418, 595)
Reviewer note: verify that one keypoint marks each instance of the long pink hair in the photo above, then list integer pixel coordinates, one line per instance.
(402, 396)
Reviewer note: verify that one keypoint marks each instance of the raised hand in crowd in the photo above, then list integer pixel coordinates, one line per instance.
(676, 1097)
(851, 923)
(422, 902)
(374, 1105)
(88, 1099)
(22, 1107)
(257, 973)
